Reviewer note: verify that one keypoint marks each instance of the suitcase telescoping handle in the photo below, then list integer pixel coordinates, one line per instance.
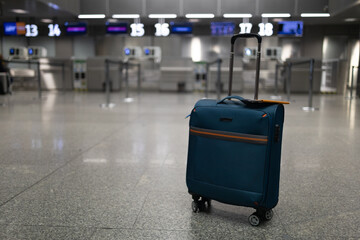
(233, 39)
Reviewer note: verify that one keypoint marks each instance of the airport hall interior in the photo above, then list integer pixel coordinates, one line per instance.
(179, 119)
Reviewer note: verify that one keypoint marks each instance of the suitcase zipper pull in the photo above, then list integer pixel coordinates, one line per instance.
(190, 113)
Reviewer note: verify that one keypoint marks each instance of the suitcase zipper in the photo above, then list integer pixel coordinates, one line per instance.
(230, 136)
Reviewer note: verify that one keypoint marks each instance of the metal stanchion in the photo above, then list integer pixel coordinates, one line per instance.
(39, 80)
(127, 98)
(218, 81)
(108, 104)
(352, 82)
(288, 81)
(310, 108)
(276, 96)
(139, 78)
(63, 76)
(207, 80)
(121, 68)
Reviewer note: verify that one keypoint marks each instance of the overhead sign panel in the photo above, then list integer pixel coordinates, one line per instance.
(14, 28)
(222, 28)
(75, 28)
(116, 28)
(290, 28)
(181, 28)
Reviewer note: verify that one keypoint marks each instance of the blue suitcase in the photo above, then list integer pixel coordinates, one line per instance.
(235, 149)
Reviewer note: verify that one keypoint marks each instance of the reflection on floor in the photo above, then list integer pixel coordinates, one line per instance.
(72, 170)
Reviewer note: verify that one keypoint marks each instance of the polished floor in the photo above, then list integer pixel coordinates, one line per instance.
(72, 170)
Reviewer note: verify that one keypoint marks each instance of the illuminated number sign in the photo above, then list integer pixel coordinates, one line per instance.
(31, 30)
(137, 30)
(266, 29)
(245, 27)
(54, 30)
(162, 29)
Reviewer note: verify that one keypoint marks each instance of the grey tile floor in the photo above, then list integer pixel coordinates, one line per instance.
(71, 170)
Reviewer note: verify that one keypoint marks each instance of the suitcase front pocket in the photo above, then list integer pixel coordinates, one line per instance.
(229, 136)
(227, 159)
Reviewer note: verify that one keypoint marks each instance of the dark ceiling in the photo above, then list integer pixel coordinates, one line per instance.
(38, 9)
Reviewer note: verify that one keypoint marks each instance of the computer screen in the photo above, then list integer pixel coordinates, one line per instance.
(290, 28)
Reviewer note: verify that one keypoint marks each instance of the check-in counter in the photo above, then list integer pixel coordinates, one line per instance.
(266, 78)
(23, 75)
(96, 75)
(56, 73)
(300, 78)
(238, 81)
(177, 74)
(149, 74)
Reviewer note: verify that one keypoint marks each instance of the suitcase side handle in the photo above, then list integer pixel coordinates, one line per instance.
(231, 66)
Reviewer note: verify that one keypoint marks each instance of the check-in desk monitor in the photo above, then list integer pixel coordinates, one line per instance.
(132, 52)
(36, 52)
(250, 52)
(273, 53)
(18, 53)
(152, 52)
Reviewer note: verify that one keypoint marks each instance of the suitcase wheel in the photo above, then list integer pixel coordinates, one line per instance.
(195, 207)
(254, 219)
(268, 214)
(200, 204)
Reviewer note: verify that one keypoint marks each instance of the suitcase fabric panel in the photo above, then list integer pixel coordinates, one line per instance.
(230, 119)
(224, 195)
(238, 165)
(261, 185)
(272, 193)
(230, 136)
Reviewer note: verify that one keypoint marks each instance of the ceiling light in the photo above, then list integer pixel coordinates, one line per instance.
(350, 20)
(126, 16)
(46, 20)
(237, 15)
(315, 15)
(277, 20)
(193, 20)
(19, 11)
(162, 16)
(91, 16)
(110, 20)
(200, 15)
(53, 5)
(275, 15)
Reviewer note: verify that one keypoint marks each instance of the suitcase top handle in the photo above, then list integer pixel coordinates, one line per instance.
(246, 35)
(233, 39)
(230, 97)
(250, 102)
